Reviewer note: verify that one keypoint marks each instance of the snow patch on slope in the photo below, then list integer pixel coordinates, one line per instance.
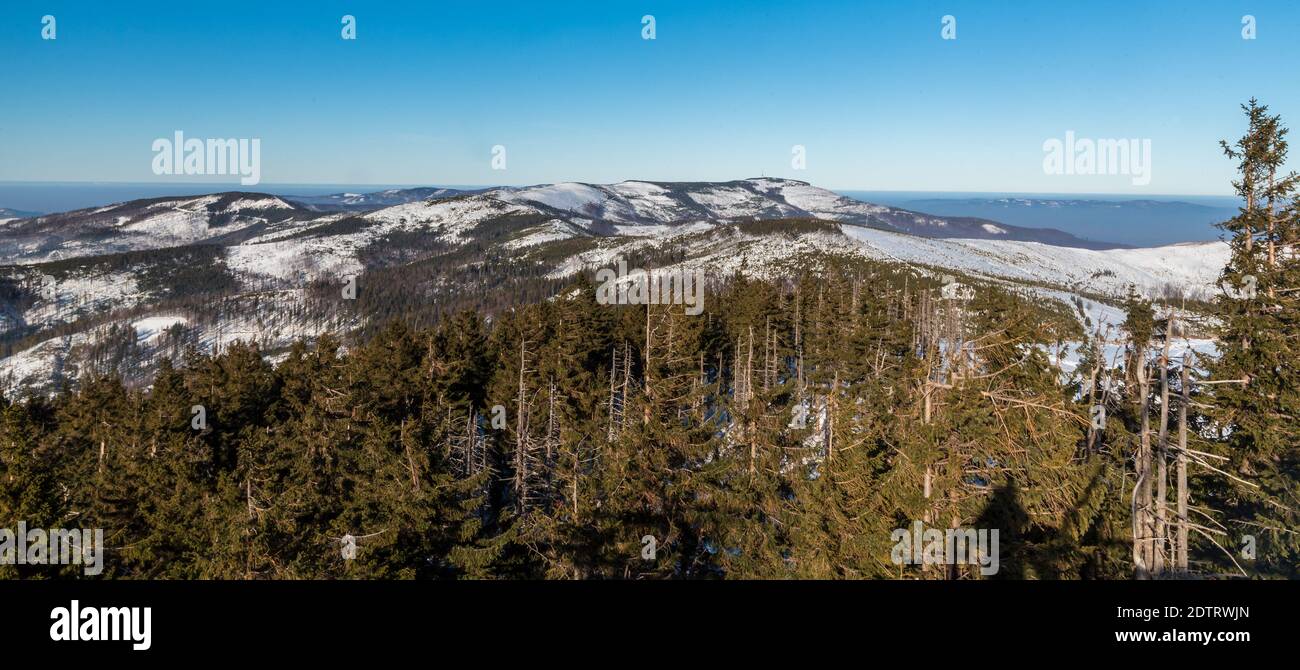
(1193, 267)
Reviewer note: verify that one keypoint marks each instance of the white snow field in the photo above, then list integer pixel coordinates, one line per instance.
(283, 247)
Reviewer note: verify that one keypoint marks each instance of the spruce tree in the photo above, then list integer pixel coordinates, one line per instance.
(1258, 308)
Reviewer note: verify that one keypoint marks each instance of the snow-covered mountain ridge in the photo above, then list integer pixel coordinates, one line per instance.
(212, 266)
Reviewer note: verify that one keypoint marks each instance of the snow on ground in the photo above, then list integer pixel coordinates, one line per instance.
(450, 218)
(1107, 321)
(1104, 272)
(148, 330)
(650, 202)
(34, 367)
(294, 227)
(640, 212)
(551, 231)
(718, 256)
(824, 203)
(39, 367)
(303, 259)
(763, 256)
(638, 189)
(727, 201)
(157, 225)
(1178, 263)
(63, 299)
(190, 204)
(605, 255)
(664, 232)
(567, 196)
(257, 203)
(273, 329)
(609, 250)
(1068, 356)
(1194, 267)
(285, 255)
(188, 221)
(171, 227)
(628, 202)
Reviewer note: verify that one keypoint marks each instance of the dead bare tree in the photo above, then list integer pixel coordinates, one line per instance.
(1180, 541)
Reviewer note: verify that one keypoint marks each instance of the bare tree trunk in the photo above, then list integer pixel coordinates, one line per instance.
(697, 400)
(738, 377)
(552, 425)
(1272, 224)
(645, 413)
(521, 480)
(954, 570)
(1092, 391)
(798, 340)
(1180, 559)
(573, 486)
(613, 372)
(925, 491)
(1162, 467)
(749, 396)
(767, 355)
(1142, 496)
(410, 462)
(627, 385)
(830, 418)
(749, 367)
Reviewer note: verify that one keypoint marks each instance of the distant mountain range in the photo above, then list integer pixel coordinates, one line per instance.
(629, 203)
(363, 202)
(1100, 221)
(118, 286)
(237, 217)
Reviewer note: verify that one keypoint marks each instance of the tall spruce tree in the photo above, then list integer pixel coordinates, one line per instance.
(1259, 345)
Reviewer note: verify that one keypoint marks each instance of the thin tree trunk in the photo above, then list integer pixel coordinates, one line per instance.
(613, 371)
(521, 437)
(627, 385)
(1142, 507)
(410, 462)
(1180, 559)
(830, 418)
(1092, 392)
(645, 412)
(1272, 224)
(798, 339)
(1162, 467)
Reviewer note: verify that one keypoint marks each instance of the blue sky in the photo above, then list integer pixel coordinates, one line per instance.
(573, 92)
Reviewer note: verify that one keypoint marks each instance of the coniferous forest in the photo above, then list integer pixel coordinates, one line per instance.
(786, 432)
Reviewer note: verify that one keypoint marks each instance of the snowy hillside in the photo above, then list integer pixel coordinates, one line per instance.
(94, 285)
(657, 203)
(136, 226)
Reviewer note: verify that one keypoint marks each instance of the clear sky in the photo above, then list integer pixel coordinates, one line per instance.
(877, 97)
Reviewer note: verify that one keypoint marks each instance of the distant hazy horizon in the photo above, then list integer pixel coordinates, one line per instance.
(1135, 220)
(53, 196)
